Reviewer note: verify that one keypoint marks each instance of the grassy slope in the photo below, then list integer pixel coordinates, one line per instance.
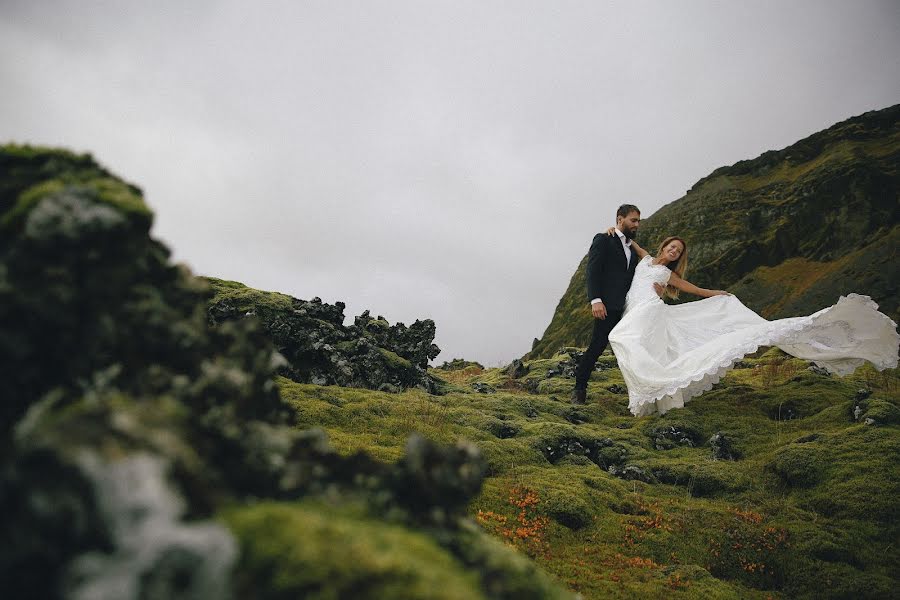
(814, 518)
(788, 232)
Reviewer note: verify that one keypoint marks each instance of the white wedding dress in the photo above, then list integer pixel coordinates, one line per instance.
(670, 353)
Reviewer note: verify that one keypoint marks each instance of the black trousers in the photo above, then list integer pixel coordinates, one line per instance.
(599, 340)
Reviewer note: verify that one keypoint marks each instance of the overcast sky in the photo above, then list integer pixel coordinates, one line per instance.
(443, 160)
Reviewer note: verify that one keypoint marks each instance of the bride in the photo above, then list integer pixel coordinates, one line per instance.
(670, 353)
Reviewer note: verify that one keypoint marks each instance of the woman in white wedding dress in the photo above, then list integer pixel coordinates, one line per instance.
(670, 353)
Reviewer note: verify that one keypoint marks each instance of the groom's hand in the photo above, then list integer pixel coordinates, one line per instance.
(660, 289)
(598, 309)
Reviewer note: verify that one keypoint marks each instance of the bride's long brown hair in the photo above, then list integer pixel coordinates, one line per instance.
(679, 267)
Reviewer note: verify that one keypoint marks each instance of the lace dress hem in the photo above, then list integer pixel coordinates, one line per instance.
(681, 391)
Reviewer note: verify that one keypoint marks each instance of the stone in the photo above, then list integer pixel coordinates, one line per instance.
(862, 394)
(566, 368)
(722, 448)
(602, 452)
(483, 388)
(819, 370)
(503, 429)
(319, 349)
(517, 369)
(630, 473)
(666, 437)
(576, 417)
(870, 421)
(617, 389)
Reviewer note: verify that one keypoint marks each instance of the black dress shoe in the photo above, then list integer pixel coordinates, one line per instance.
(579, 397)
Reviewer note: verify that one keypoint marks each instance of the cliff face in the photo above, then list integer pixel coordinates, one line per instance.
(787, 232)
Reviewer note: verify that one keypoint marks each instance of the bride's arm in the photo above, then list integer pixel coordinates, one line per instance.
(686, 286)
(640, 251)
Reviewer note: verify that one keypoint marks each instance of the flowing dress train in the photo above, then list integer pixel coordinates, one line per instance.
(670, 353)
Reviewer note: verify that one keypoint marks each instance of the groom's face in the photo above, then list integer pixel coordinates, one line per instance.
(629, 224)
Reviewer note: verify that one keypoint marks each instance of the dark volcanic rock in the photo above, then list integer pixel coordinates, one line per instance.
(666, 437)
(601, 451)
(517, 369)
(819, 370)
(319, 349)
(576, 417)
(722, 448)
(503, 429)
(631, 473)
(483, 388)
(566, 368)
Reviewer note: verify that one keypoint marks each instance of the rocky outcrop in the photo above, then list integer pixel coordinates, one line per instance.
(787, 232)
(320, 349)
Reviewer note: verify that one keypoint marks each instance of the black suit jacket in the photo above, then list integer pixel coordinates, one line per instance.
(608, 277)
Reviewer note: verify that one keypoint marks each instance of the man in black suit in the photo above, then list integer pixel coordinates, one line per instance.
(610, 269)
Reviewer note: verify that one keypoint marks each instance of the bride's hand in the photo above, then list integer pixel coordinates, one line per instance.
(720, 293)
(611, 231)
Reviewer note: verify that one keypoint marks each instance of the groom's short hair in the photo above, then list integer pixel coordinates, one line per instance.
(627, 209)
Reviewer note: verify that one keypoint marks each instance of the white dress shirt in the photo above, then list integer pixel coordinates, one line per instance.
(626, 245)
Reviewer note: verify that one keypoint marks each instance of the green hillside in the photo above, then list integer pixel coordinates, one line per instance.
(787, 232)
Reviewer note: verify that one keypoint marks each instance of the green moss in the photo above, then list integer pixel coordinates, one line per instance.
(882, 411)
(800, 465)
(827, 481)
(317, 551)
(245, 298)
(107, 190)
(394, 360)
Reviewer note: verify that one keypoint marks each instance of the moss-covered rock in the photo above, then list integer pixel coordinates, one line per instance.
(320, 349)
(318, 551)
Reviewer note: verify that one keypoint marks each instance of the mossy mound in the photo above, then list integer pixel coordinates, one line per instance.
(318, 551)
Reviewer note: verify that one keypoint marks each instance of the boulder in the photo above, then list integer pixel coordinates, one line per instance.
(722, 447)
(517, 369)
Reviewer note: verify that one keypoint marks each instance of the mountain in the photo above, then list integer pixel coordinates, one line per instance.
(788, 232)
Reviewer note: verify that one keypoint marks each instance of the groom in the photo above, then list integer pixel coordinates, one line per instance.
(610, 268)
